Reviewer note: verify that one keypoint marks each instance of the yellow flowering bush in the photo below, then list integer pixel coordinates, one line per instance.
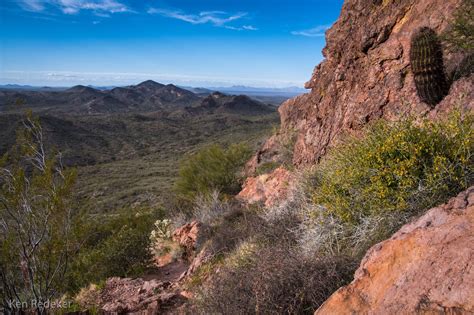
(406, 166)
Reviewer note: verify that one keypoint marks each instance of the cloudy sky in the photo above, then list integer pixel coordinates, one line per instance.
(200, 43)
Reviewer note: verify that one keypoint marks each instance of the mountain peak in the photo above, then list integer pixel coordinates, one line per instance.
(217, 94)
(150, 84)
(81, 88)
(234, 104)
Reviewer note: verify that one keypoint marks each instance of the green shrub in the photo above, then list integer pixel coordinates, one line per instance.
(459, 36)
(212, 168)
(35, 215)
(397, 167)
(116, 245)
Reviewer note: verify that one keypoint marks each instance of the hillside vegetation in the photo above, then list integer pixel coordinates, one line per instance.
(386, 133)
(132, 158)
(125, 166)
(291, 257)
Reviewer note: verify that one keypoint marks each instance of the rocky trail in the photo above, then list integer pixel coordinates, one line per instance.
(170, 272)
(159, 290)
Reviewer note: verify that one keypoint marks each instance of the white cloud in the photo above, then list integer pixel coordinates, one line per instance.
(32, 5)
(212, 12)
(102, 14)
(243, 28)
(250, 28)
(99, 7)
(216, 18)
(317, 31)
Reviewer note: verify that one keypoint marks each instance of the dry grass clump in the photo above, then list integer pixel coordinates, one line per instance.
(265, 272)
(292, 257)
(208, 208)
(276, 281)
(88, 297)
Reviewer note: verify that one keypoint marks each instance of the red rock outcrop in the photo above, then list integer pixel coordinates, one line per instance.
(188, 237)
(267, 188)
(427, 267)
(365, 76)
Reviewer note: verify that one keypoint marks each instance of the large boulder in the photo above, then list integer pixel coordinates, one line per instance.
(267, 189)
(426, 267)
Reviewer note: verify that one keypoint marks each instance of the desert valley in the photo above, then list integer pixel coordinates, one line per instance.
(353, 196)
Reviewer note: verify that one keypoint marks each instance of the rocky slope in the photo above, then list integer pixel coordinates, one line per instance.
(365, 76)
(425, 268)
(159, 292)
(268, 188)
(368, 76)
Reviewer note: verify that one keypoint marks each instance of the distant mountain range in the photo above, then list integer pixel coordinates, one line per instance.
(293, 90)
(147, 96)
(127, 142)
(236, 89)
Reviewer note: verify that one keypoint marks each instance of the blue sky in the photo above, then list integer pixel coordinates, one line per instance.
(198, 43)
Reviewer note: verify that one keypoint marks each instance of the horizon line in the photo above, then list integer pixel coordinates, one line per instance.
(235, 85)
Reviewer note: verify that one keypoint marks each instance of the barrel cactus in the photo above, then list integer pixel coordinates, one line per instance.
(426, 59)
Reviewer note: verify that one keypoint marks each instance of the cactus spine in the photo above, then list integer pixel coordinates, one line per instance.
(426, 59)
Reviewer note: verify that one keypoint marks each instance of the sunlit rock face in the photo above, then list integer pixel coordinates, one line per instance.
(425, 268)
(366, 75)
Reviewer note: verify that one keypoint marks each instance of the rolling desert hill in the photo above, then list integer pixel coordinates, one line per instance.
(11, 94)
(146, 96)
(127, 142)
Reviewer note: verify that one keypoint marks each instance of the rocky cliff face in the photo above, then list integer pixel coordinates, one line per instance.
(424, 268)
(366, 75)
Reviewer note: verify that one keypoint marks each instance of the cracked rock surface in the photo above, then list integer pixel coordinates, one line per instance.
(427, 267)
(366, 75)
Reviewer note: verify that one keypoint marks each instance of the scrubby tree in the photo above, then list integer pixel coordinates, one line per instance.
(35, 221)
(212, 168)
(112, 245)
